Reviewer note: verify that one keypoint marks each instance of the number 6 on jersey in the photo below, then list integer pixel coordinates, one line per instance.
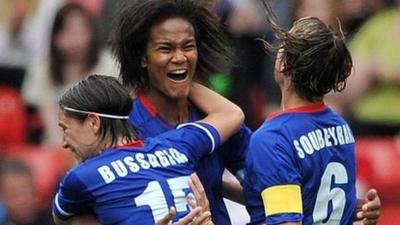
(337, 172)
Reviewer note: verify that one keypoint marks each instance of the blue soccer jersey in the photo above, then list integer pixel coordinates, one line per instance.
(137, 184)
(230, 155)
(300, 167)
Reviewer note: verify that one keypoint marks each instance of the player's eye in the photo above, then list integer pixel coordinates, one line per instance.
(164, 49)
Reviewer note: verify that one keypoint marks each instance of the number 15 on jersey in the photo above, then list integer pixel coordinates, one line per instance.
(155, 197)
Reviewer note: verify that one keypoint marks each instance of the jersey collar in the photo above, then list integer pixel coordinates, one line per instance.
(311, 108)
(132, 144)
(148, 105)
(153, 111)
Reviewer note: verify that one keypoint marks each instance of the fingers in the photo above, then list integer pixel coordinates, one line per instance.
(168, 217)
(371, 194)
(200, 215)
(370, 210)
(195, 217)
(191, 201)
(203, 219)
(369, 215)
(370, 222)
(199, 192)
(372, 201)
(196, 186)
(188, 219)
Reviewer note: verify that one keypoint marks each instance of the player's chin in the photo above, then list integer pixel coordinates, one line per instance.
(181, 93)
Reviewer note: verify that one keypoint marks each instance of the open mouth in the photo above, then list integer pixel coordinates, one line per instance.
(178, 75)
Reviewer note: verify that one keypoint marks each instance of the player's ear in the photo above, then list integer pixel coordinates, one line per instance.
(94, 122)
(280, 61)
(143, 61)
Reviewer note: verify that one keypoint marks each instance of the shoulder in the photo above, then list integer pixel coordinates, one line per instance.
(85, 169)
(265, 137)
(73, 180)
(275, 126)
(273, 136)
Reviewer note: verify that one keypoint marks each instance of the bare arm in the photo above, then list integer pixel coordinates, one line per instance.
(222, 114)
(232, 189)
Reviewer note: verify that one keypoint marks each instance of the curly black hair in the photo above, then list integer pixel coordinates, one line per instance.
(132, 33)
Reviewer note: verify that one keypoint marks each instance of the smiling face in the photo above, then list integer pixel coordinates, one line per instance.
(78, 137)
(171, 58)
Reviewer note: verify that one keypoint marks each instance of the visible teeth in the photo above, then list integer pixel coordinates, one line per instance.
(178, 71)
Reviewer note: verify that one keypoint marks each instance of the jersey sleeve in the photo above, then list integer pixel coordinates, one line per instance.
(197, 139)
(276, 177)
(235, 149)
(71, 197)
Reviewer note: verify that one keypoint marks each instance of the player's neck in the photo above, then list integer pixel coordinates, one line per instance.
(290, 99)
(172, 110)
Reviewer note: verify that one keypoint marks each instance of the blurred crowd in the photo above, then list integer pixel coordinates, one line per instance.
(47, 45)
